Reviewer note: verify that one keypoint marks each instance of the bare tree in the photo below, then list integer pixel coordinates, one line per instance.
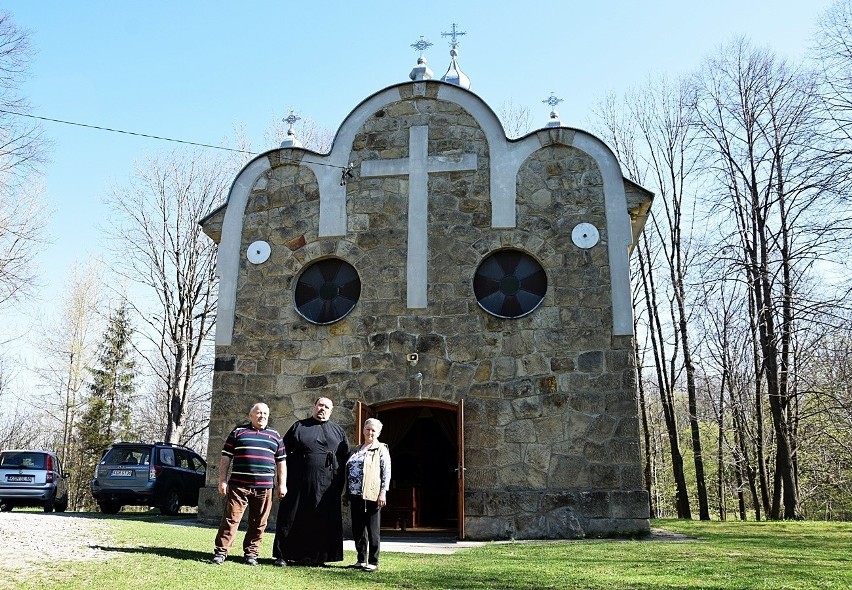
(620, 131)
(826, 420)
(23, 217)
(651, 294)
(833, 59)
(67, 348)
(651, 133)
(15, 430)
(618, 126)
(665, 125)
(310, 134)
(159, 243)
(770, 175)
(759, 118)
(22, 150)
(726, 356)
(647, 471)
(150, 416)
(22, 153)
(516, 119)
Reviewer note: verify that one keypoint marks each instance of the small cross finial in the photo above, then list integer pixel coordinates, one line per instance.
(421, 45)
(291, 120)
(454, 33)
(552, 100)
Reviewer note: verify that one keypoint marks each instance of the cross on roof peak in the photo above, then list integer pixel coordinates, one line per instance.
(552, 100)
(291, 120)
(421, 45)
(454, 33)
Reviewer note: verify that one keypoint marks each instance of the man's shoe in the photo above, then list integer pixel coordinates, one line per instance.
(369, 567)
(218, 559)
(280, 563)
(356, 566)
(250, 560)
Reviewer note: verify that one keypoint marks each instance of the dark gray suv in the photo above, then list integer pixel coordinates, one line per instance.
(32, 478)
(160, 475)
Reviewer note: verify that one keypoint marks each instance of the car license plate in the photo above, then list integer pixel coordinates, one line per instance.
(122, 473)
(20, 478)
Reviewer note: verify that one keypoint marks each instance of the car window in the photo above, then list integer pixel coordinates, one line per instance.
(196, 464)
(23, 460)
(126, 456)
(182, 460)
(167, 456)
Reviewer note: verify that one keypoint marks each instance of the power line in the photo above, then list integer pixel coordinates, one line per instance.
(99, 128)
(346, 170)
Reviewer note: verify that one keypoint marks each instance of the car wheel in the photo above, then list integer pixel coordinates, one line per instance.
(49, 505)
(5, 506)
(171, 504)
(62, 505)
(109, 507)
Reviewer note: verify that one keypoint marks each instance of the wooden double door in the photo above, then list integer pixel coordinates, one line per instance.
(426, 442)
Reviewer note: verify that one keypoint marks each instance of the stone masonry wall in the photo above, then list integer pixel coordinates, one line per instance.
(551, 429)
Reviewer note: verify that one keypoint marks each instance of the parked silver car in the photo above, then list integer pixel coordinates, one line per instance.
(32, 478)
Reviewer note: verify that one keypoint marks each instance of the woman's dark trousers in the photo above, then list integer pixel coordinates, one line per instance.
(366, 523)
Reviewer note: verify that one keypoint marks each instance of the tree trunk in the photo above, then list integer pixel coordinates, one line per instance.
(646, 433)
(666, 399)
(720, 452)
(695, 431)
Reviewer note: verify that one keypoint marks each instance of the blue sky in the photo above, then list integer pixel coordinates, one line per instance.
(194, 70)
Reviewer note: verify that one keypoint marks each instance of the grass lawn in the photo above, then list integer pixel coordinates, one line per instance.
(149, 553)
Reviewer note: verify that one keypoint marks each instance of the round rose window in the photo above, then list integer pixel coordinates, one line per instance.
(327, 290)
(509, 284)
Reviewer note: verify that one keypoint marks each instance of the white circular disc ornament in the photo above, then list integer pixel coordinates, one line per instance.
(258, 252)
(585, 235)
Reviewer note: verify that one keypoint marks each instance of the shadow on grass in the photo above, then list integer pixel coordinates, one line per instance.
(203, 556)
(169, 552)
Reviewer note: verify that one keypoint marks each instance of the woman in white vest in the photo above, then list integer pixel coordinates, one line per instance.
(368, 473)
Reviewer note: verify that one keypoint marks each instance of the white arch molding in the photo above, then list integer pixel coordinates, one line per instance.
(506, 158)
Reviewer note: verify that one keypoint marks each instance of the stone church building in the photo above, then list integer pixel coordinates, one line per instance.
(471, 291)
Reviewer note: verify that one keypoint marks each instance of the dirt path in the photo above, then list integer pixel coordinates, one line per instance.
(29, 538)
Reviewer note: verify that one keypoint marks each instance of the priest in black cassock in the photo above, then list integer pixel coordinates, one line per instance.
(309, 528)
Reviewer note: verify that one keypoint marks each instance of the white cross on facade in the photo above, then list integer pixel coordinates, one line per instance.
(417, 167)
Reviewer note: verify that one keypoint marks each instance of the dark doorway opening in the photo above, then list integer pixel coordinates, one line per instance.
(423, 443)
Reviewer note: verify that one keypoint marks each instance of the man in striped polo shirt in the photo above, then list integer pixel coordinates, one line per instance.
(255, 455)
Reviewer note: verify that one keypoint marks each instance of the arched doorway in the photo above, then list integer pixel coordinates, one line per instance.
(426, 442)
